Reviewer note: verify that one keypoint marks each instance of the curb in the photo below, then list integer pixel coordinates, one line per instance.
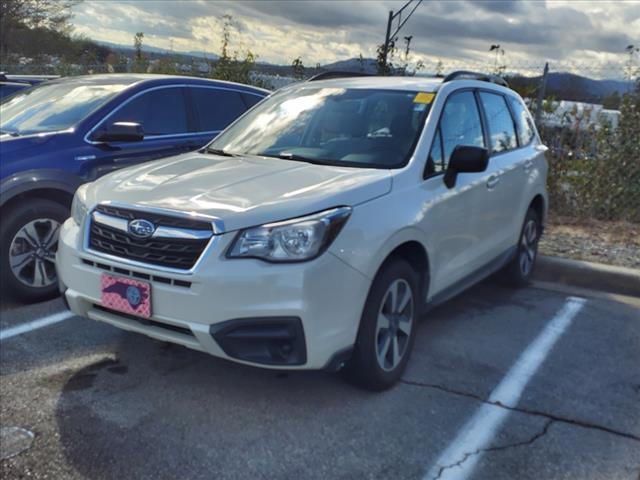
(594, 276)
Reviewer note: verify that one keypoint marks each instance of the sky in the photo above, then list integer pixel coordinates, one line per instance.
(585, 34)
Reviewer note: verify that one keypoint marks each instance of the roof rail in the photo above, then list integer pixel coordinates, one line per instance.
(337, 74)
(483, 77)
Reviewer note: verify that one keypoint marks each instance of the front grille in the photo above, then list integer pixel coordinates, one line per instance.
(178, 253)
(155, 218)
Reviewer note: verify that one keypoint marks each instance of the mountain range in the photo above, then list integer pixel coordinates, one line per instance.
(562, 85)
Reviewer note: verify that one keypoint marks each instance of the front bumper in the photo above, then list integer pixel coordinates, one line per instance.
(318, 304)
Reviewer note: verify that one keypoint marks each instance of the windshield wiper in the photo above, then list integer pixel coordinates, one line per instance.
(298, 158)
(219, 151)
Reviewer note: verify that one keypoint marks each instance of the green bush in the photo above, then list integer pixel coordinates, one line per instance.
(595, 172)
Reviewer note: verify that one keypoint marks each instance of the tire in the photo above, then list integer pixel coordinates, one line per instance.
(519, 271)
(28, 242)
(373, 365)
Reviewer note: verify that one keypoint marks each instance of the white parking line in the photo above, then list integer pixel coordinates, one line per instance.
(28, 327)
(460, 457)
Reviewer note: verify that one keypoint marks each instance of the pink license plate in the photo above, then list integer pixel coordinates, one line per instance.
(126, 295)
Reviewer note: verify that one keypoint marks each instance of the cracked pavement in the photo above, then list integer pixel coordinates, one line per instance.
(523, 443)
(106, 404)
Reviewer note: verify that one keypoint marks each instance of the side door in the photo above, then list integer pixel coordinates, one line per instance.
(166, 123)
(214, 109)
(502, 181)
(449, 221)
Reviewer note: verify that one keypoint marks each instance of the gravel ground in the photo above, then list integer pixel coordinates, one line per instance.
(613, 243)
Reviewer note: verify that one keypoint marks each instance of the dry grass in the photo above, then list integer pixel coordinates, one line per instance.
(614, 243)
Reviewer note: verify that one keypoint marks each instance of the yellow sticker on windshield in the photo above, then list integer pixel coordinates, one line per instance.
(424, 97)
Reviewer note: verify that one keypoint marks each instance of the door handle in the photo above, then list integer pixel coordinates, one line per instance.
(528, 165)
(493, 181)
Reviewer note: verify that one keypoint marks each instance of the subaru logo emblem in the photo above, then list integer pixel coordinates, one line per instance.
(141, 228)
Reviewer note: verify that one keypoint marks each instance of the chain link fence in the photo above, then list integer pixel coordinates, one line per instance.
(590, 123)
(594, 152)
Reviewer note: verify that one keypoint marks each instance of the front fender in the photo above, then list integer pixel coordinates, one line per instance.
(374, 230)
(30, 180)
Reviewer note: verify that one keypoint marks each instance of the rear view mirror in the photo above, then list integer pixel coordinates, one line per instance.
(465, 159)
(120, 132)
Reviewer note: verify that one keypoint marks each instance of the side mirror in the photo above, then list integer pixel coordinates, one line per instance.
(465, 159)
(120, 132)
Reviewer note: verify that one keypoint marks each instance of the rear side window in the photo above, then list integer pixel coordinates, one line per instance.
(526, 132)
(251, 99)
(216, 108)
(460, 124)
(160, 112)
(501, 128)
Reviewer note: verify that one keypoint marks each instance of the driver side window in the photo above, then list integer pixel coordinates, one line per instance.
(459, 125)
(160, 112)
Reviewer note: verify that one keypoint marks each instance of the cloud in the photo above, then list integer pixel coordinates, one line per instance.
(530, 31)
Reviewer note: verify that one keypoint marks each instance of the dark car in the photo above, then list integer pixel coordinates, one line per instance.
(61, 134)
(9, 88)
(10, 84)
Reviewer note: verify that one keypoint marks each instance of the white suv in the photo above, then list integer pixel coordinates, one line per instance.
(315, 230)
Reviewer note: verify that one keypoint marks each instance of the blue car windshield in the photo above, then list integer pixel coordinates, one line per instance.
(54, 106)
(354, 127)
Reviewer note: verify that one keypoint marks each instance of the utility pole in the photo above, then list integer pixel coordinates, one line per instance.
(389, 37)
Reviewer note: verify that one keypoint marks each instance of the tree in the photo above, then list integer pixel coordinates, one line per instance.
(385, 68)
(632, 70)
(51, 15)
(231, 67)
(141, 63)
(404, 67)
(612, 101)
(498, 67)
(297, 68)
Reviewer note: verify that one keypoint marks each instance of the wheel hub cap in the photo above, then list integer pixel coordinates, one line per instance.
(528, 247)
(393, 328)
(32, 253)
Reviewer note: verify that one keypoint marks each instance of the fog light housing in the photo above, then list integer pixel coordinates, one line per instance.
(265, 340)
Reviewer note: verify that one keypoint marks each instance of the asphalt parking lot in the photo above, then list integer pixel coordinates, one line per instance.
(104, 403)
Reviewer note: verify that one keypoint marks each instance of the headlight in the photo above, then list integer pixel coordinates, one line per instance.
(294, 240)
(79, 206)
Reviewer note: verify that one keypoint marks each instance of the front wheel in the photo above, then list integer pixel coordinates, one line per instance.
(387, 328)
(28, 243)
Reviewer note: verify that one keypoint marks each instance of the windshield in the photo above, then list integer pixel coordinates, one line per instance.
(52, 107)
(338, 126)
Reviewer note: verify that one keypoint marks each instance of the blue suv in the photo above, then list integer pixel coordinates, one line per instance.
(61, 134)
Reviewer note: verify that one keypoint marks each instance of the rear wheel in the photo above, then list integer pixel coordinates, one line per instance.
(386, 334)
(28, 243)
(520, 270)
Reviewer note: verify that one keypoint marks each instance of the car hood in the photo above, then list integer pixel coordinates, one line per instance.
(240, 191)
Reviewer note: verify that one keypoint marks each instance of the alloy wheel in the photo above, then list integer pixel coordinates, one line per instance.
(32, 253)
(528, 247)
(394, 324)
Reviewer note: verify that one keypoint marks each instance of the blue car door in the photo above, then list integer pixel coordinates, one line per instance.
(167, 123)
